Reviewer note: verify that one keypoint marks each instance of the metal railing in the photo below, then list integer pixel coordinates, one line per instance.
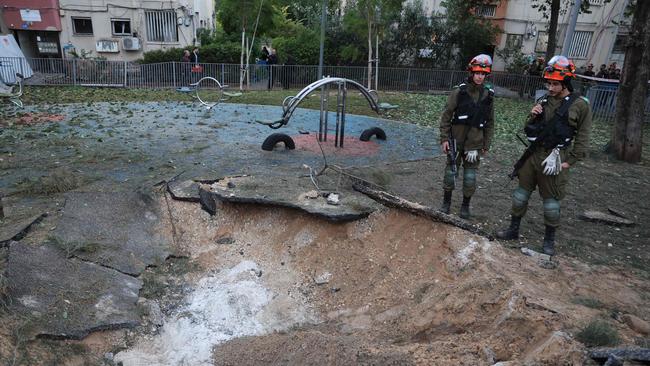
(85, 72)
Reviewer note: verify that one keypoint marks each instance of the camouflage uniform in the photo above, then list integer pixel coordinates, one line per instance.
(467, 137)
(552, 188)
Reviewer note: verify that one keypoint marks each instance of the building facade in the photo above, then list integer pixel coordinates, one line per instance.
(598, 38)
(116, 30)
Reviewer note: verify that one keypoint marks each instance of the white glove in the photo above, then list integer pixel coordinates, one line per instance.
(552, 164)
(471, 156)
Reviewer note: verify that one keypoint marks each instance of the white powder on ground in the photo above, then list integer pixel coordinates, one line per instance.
(230, 304)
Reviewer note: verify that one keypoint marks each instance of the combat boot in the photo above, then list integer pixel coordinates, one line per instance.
(446, 203)
(511, 232)
(464, 208)
(549, 240)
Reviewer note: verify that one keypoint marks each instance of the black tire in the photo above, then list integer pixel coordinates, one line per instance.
(275, 138)
(375, 131)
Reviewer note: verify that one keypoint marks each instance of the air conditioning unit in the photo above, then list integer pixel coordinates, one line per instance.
(130, 44)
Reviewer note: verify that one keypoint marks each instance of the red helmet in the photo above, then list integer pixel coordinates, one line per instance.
(481, 63)
(558, 68)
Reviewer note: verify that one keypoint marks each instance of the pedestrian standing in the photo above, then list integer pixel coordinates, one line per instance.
(558, 131)
(466, 131)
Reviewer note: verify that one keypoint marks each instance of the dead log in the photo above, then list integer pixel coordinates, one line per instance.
(394, 201)
(601, 217)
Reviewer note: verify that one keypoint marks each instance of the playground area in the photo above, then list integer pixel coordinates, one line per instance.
(176, 239)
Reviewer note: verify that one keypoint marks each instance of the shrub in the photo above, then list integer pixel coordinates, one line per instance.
(301, 49)
(598, 333)
(223, 52)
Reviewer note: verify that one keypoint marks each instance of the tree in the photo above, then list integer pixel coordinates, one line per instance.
(238, 15)
(405, 40)
(468, 33)
(374, 15)
(627, 135)
(551, 9)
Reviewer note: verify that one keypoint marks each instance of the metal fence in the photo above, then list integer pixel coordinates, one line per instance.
(48, 71)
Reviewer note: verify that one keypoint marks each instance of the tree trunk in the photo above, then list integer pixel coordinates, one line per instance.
(633, 88)
(552, 29)
(369, 51)
(418, 209)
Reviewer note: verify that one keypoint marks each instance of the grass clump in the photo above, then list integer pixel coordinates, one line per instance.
(588, 302)
(59, 181)
(70, 248)
(598, 333)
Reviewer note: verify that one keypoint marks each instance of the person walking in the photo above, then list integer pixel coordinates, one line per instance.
(194, 57)
(185, 67)
(272, 60)
(466, 131)
(558, 131)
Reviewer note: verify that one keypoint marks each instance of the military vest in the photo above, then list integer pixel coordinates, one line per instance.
(471, 113)
(556, 132)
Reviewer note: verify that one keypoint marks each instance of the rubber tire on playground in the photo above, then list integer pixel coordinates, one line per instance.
(276, 138)
(375, 131)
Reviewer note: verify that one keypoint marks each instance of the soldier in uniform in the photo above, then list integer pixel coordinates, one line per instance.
(558, 131)
(468, 124)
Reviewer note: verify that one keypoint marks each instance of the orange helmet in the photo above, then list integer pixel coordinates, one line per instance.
(558, 68)
(481, 63)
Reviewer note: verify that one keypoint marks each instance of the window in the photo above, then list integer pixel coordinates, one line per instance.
(82, 26)
(542, 42)
(580, 44)
(486, 10)
(161, 26)
(514, 40)
(121, 27)
(620, 43)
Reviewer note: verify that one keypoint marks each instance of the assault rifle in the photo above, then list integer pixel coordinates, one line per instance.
(453, 153)
(530, 149)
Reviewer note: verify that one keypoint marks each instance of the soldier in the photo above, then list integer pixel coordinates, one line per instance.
(468, 125)
(558, 131)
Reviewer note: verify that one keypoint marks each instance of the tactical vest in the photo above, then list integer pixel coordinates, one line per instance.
(556, 132)
(469, 112)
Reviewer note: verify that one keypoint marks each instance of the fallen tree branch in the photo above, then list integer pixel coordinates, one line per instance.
(418, 209)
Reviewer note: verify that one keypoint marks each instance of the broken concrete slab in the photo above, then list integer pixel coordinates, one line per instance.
(68, 298)
(543, 260)
(120, 230)
(16, 228)
(601, 217)
(288, 191)
(187, 190)
(628, 354)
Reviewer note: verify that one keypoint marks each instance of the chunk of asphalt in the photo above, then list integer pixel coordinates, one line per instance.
(187, 190)
(286, 191)
(120, 230)
(16, 228)
(67, 298)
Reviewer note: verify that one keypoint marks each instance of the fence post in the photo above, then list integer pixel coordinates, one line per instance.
(125, 74)
(174, 73)
(222, 72)
(408, 81)
(74, 71)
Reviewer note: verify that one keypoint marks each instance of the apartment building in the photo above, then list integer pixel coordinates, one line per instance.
(598, 37)
(115, 30)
